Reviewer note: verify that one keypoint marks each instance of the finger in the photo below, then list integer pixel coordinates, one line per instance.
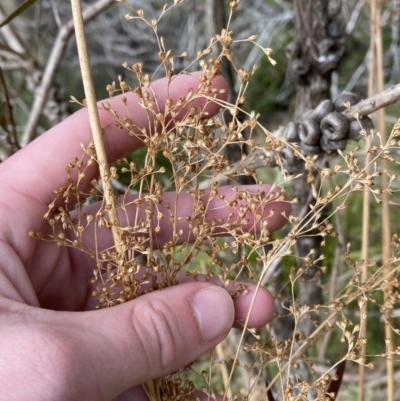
(40, 166)
(150, 337)
(259, 313)
(256, 304)
(138, 393)
(233, 218)
(233, 211)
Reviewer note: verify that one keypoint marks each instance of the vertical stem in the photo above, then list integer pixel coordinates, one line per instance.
(364, 277)
(95, 123)
(385, 206)
(13, 132)
(366, 212)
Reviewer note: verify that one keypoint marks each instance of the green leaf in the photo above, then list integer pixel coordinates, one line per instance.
(18, 11)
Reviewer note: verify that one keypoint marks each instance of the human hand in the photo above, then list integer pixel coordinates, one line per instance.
(53, 346)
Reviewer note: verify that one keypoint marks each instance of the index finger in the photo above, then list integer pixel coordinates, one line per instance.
(40, 166)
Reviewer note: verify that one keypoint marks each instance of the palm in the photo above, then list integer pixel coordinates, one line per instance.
(59, 277)
(37, 273)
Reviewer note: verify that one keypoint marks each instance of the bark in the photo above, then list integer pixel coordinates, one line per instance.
(312, 23)
(316, 52)
(216, 21)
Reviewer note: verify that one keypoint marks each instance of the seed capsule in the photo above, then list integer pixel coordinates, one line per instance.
(323, 109)
(343, 98)
(334, 126)
(309, 131)
(355, 128)
(309, 150)
(329, 146)
(290, 161)
(291, 132)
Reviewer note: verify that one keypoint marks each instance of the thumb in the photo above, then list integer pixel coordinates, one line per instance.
(154, 335)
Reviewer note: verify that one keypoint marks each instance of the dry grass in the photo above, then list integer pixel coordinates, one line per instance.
(196, 156)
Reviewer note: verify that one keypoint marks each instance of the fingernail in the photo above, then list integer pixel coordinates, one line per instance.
(213, 308)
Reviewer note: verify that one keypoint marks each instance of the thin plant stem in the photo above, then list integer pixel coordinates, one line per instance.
(366, 213)
(13, 132)
(224, 370)
(373, 283)
(282, 250)
(220, 350)
(364, 277)
(375, 66)
(95, 123)
(385, 210)
(53, 62)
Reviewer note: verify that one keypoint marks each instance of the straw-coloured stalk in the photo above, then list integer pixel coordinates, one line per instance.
(386, 237)
(366, 212)
(95, 122)
(164, 241)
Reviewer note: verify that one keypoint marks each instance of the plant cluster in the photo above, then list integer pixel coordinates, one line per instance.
(159, 244)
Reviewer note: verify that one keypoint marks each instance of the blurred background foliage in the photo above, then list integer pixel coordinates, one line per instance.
(113, 40)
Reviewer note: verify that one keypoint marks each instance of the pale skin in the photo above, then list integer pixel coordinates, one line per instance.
(54, 346)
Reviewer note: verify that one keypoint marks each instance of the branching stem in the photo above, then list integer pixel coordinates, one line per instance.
(374, 103)
(95, 123)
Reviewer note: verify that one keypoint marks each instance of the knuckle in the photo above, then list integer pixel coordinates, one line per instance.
(160, 333)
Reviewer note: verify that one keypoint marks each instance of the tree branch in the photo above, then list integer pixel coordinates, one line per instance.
(374, 103)
(262, 158)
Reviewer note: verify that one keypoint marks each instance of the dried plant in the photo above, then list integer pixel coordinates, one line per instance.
(192, 145)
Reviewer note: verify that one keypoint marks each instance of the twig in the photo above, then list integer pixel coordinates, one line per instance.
(354, 17)
(262, 158)
(364, 276)
(374, 103)
(104, 168)
(357, 74)
(281, 251)
(372, 283)
(13, 132)
(54, 60)
(12, 38)
(224, 370)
